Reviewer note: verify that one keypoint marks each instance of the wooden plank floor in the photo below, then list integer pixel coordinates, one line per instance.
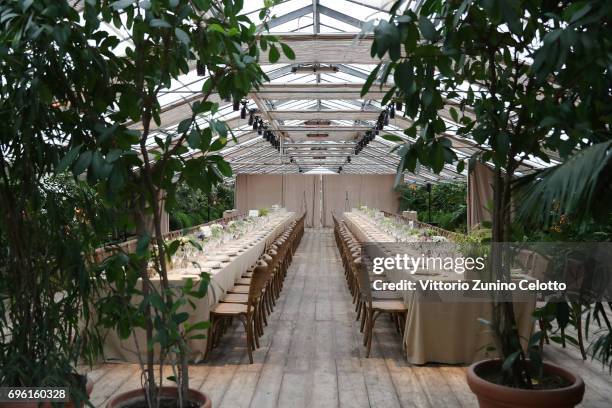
(311, 354)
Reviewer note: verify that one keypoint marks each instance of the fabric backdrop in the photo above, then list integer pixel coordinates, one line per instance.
(480, 193)
(341, 192)
(318, 195)
(296, 192)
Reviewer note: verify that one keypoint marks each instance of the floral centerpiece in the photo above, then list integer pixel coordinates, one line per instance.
(216, 230)
(205, 231)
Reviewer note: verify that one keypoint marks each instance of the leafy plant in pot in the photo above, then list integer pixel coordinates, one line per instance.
(45, 329)
(49, 225)
(463, 67)
(133, 157)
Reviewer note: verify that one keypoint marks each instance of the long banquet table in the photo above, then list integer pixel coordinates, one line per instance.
(440, 332)
(247, 251)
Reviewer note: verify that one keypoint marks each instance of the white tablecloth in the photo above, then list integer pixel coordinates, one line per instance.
(221, 280)
(446, 332)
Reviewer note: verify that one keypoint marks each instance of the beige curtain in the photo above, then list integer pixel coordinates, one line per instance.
(295, 192)
(341, 192)
(301, 192)
(480, 194)
(254, 191)
(164, 216)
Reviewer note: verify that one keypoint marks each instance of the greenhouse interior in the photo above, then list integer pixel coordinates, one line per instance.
(305, 203)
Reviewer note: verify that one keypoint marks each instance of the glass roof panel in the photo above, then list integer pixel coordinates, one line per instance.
(307, 17)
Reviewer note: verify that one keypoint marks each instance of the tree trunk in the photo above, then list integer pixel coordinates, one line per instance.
(504, 319)
(141, 230)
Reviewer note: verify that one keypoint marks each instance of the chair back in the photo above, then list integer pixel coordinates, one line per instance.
(362, 278)
(258, 281)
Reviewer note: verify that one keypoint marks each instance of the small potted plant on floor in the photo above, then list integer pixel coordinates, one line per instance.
(135, 157)
(508, 78)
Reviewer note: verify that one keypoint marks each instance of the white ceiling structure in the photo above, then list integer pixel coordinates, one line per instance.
(313, 102)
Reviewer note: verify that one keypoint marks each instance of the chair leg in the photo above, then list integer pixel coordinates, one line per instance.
(255, 328)
(369, 340)
(208, 338)
(371, 333)
(262, 320)
(363, 317)
(368, 325)
(249, 335)
(403, 317)
(211, 336)
(263, 313)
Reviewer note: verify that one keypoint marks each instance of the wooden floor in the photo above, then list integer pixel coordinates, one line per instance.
(312, 356)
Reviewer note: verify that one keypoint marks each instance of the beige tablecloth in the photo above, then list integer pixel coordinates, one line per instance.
(221, 280)
(438, 332)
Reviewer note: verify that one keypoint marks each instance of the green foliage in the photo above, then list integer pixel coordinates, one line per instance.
(45, 282)
(49, 226)
(194, 207)
(601, 348)
(521, 79)
(469, 43)
(71, 102)
(448, 204)
(575, 187)
(564, 228)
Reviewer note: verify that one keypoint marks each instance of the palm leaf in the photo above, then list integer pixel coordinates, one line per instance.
(579, 186)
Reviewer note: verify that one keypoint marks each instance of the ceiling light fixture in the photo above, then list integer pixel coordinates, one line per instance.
(200, 68)
(314, 68)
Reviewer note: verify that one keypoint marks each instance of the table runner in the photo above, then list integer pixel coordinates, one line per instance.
(441, 332)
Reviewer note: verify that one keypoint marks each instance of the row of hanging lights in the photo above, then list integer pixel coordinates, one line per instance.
(257, 123)
(262, 128)
(381, 122)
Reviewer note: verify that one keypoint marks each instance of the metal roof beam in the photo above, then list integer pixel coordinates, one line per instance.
(352, 21)
(285, 18)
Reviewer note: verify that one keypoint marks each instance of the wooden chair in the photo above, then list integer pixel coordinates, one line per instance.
(254, 293)
(224, 312)
(374, 308)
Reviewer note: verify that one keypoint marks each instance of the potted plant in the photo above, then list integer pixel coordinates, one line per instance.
(510, 77)
(45, 326)
(131, 158)
(49, 224)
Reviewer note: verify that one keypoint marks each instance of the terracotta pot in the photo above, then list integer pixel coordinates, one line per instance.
(492, 395)
(88, 388)
(135, 395)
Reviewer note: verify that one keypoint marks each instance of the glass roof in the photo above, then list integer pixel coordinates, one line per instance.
(306, 97)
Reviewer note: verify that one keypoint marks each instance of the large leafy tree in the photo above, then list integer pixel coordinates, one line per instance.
(106, 106)
(46, 229)
(522, 79)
